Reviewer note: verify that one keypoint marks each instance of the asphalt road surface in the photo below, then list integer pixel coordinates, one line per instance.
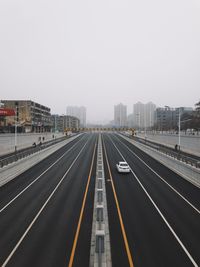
(38, 227)
(46, 212)
(159, 209)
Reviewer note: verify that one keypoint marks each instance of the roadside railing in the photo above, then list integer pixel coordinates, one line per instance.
(176, 154)
(26, 152)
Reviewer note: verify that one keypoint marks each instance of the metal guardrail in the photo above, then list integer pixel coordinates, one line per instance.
(26, 152)
(179, 155)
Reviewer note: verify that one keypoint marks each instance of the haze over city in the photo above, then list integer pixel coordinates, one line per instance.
(98, 54)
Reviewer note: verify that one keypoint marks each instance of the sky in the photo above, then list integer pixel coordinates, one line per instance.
(100, 53)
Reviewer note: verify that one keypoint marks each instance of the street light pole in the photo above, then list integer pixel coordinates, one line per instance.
(145, 126)
(179, 130)
(63, 123)
(15, 135)
(138, 114)
(55, 125)
(138, 121)
(16, 121)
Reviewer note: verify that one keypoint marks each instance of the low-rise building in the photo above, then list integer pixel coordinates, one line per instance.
(65, 123)
(167, 118)
(29, 117)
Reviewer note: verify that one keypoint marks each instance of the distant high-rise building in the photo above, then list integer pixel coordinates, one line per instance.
(138, 115)
(167, 118)
(82, 116)
(120, 115)
(79, 112)
(143, 115)
(150, 114)
(130, 120)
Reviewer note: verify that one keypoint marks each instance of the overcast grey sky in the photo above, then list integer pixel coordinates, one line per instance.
(100, 53)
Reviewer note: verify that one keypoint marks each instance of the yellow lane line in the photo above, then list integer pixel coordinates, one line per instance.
(119, 212)
(81, 213)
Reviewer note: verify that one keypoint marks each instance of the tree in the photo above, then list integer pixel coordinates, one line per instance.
(191, 120)
(187, 121)
(198, 106)
(196, 114)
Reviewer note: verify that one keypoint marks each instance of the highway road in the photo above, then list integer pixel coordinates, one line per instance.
(40, 210)
(160, 210)
(46, 213)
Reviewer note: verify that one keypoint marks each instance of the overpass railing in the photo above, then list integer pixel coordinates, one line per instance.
(28, 151)
(176, 154)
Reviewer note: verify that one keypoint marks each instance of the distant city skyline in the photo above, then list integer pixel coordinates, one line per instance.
(79, 112)
(66, 54)
(100, 120)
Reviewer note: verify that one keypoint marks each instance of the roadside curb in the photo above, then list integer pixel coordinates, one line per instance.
(11, 171)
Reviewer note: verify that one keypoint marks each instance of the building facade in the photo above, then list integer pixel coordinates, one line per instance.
(138, 115)
(29, 116)
(78, 112)
(130, 121)
(65, 123)
(120, 115)
(168, 118)
(150, 109)
(143, 115)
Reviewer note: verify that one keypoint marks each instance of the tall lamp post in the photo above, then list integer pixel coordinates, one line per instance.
(138, 120)
(145, 126)
(16, 122)
(179, 129)
(63, 124)
(55, 125)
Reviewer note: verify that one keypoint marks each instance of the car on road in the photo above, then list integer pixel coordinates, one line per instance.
(123, 167)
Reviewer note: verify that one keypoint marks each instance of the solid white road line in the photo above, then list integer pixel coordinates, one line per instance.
(21, 192)
(160, 213)
(40, 211)
(187, 201)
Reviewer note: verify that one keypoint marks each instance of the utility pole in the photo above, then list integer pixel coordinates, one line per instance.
(16, 122)
(145, 126)
(179, 130)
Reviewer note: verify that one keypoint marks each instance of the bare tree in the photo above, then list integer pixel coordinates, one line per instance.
(198, 106)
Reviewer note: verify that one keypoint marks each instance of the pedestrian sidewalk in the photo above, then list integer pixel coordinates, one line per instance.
(186, 147)
(12, 170)
(24, 140)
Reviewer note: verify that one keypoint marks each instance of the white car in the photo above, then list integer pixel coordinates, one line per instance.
(123, 167)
